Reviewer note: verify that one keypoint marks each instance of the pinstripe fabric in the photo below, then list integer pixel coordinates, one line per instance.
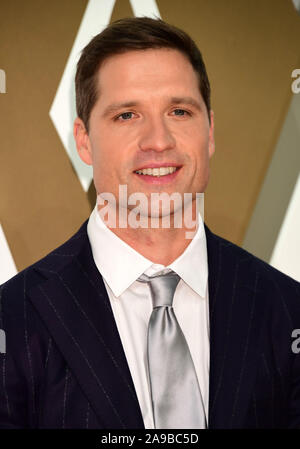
(255, 317)
(65, 367)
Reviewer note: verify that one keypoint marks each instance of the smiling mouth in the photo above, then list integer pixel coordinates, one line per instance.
(157, 171)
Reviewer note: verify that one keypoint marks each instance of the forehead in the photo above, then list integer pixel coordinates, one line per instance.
(142, 71)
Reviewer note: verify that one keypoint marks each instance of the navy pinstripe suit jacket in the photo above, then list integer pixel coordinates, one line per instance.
(65, 367)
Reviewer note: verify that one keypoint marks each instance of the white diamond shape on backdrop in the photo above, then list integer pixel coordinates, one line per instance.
(63, 111)
(7, 265)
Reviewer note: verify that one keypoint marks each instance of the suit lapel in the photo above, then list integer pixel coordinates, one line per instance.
(73, 303)
(236, 313)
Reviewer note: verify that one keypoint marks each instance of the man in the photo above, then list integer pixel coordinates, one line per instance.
(90, 339)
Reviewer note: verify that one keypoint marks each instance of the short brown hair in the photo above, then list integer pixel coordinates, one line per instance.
(139, 33)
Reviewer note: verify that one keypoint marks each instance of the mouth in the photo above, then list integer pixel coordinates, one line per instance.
(158, 174)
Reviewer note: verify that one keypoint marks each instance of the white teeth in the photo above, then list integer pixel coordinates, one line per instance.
(159, 171)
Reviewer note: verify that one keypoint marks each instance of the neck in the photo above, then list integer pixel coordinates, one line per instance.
(161, 244)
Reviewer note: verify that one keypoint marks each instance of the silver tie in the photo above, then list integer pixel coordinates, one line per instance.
(176, 397)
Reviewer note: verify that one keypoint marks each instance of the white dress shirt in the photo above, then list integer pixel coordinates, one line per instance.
(120, 266)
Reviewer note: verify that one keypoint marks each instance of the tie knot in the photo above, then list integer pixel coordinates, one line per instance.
(162, 287)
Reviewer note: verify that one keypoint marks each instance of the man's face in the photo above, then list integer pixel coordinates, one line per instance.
(150, 113)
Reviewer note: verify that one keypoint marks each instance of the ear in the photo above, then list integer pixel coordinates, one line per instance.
(82, 140)
(211, 135)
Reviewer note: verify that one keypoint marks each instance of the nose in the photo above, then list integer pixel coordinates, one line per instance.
(156, 136)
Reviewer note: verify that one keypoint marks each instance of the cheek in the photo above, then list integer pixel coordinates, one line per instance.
(111, 141)
(202, 148)
(107, 163)
(201, 136)
(195, 147)
(193, 135)
(103, 150)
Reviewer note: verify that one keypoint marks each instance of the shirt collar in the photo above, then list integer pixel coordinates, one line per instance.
(192, 265)
(121, 265)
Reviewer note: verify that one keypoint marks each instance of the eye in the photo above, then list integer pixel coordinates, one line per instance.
(124, 116)
(181, 112)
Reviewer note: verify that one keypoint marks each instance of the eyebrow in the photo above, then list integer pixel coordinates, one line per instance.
(116, 106)
(129, 104)
(187, 100)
